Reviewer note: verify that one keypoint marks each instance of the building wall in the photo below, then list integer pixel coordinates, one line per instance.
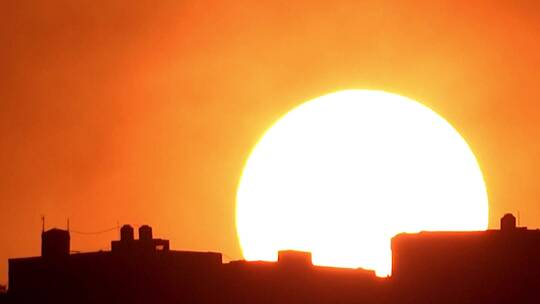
(106, 277)
(496, 266)
(482, 266)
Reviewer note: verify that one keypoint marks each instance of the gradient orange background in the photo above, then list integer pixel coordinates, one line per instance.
(145, 111)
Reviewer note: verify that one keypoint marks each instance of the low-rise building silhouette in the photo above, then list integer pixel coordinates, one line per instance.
(493, 266)
(135, 270)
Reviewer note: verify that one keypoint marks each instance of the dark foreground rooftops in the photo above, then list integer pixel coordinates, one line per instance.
(494, 266)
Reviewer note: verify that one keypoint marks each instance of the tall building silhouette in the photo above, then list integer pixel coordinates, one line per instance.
(493, 266)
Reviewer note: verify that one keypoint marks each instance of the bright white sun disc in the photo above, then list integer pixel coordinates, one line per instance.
(341, 174)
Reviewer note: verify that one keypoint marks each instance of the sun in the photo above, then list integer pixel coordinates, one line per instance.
(341, 174)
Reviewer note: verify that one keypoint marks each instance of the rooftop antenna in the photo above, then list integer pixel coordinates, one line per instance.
(43, 223)
(68, 224)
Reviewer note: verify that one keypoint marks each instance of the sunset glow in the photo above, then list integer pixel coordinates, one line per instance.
(343, 173)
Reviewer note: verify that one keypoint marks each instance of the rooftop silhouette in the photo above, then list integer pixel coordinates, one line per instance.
(493, 266)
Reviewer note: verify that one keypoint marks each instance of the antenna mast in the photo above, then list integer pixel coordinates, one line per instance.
(43, 223)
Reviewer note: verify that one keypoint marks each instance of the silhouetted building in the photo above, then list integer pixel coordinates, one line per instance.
(294, 279)
(135, 271)
(145, 270)
(493, 266)
(3, 294)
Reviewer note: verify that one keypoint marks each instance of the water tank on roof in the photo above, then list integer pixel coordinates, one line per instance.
(508, 222)
(55, 243)
(126, 233)
(145, 233)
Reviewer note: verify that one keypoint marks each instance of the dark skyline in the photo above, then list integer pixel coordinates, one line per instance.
(145, 112)
(494, 266)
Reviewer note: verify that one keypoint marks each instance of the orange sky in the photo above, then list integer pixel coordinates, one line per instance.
(145, 111)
